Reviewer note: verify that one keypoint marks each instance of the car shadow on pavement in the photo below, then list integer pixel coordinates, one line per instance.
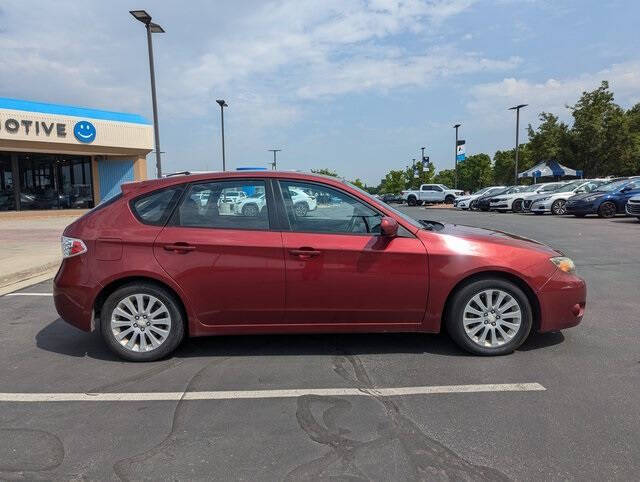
(59, 337)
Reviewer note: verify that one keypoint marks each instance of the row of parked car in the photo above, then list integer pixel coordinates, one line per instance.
(604, 197)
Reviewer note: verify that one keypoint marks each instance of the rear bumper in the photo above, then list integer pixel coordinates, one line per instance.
(73, 298)
(562, 302)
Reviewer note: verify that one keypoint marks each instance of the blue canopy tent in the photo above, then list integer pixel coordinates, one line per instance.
(548, 169)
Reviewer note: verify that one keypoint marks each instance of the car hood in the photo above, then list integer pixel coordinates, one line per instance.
(480, 235)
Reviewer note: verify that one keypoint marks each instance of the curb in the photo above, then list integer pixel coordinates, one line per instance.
(7, 281)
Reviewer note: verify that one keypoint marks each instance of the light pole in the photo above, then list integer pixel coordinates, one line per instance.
(151, 27)
(455, 155)
(422, 158)
(274, 165)
(222, 105)
(517, 109)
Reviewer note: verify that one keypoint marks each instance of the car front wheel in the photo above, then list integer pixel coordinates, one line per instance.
(489, 317)
(559, 207)
(607, 210)
(516, 207)
(141, 322)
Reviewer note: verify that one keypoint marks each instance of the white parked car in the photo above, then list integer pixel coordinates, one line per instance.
(252, 205)
(302, 202)
(555, 201)
(513, 202)
(633, 206)
(464, 202)
(431, 193)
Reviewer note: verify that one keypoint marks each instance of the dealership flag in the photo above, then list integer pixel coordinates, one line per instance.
(460, 151)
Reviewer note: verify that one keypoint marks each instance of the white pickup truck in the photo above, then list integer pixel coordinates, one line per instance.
(431, 193)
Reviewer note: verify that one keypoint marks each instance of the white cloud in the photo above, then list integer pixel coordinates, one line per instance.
(552, 95)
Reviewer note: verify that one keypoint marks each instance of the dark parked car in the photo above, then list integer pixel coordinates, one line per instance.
(482, 203)
(157, 264)
(392, 198)
(606, 201)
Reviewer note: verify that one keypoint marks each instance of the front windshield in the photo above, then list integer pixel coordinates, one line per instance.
(612, 186)
(570, 186)
(407, 218)
(482, 191)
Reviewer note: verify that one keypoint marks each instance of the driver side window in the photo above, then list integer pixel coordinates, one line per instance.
(320, 209)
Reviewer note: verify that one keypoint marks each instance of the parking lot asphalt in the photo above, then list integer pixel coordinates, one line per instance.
(585, 424)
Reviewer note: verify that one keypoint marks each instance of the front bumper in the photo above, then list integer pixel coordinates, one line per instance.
(562, 302)
(540, 206)
(633, 208)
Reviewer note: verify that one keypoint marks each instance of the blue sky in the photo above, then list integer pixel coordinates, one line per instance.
(354, 85)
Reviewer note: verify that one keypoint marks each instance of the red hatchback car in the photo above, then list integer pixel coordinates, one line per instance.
(278, 252)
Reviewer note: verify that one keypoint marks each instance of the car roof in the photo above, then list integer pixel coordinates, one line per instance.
(179, 178)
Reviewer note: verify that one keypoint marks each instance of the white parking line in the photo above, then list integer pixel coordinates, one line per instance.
(262, 394)
(29, 294)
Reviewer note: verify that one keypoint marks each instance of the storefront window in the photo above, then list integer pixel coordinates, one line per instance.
(7, 196)
(49, 181)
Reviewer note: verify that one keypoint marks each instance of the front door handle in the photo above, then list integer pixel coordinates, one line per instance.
(179, 247)
(304, 253)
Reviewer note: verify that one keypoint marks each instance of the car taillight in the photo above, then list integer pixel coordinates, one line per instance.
(72, 247)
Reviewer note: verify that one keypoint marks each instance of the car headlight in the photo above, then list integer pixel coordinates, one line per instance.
(564, 264)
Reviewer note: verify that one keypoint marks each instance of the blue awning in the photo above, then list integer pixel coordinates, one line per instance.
(550, 168)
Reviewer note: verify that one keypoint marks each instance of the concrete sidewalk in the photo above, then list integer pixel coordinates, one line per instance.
(30, 243)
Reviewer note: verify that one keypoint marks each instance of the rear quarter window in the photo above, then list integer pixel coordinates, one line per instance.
(155, 207)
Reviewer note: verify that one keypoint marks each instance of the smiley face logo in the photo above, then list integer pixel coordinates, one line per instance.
(84, 131)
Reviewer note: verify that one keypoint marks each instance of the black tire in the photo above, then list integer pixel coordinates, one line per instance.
(449, 199)
(301, 209)
(473, 206)
(538, 213)
(411, 200)
(176, 330)
(607, 210)
(455, 313)
(250, 210)
(559, 207)
(516, 207)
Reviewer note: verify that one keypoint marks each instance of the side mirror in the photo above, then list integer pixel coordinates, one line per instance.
(389, 226)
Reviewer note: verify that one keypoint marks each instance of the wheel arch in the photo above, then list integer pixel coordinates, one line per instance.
(519, 282)
(118, 283)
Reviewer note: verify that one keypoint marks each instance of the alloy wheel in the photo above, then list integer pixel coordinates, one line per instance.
(492, 318)
(140, 322)
(607, 210)
(559, 207)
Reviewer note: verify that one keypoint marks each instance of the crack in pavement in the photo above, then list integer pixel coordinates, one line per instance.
(424, 457)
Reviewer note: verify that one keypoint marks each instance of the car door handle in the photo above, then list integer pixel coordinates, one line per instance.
(179, 247)
(304, 253)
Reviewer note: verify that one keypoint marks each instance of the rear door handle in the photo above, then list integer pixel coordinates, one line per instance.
(304, 253)
(179, 247)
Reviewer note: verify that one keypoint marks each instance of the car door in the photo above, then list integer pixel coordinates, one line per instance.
(429, 193)
(341, 271)
(229, 262)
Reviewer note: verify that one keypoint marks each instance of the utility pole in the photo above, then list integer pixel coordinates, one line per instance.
(274, 165)
(517, 109)
(455, 155)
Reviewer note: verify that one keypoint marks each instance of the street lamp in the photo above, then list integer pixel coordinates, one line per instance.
(222, 105)
(274, 165)
(455, 155)
(517, 109)
(151, 27)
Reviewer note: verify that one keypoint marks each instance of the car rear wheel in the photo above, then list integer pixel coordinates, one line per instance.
(516, 207)
(489, 317)
(559, 207)
(449, 199)
(141, 322)
(607, 210)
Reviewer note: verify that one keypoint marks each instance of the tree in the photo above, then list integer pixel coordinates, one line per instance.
(504, 164)
(325, 172)
(601, 136)
(475, 172)
(393, 182)
(550, 141)
(446, 177)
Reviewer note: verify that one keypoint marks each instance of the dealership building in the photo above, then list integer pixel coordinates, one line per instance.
(64, 157)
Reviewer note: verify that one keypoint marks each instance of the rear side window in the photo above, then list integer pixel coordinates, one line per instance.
(156, 207)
